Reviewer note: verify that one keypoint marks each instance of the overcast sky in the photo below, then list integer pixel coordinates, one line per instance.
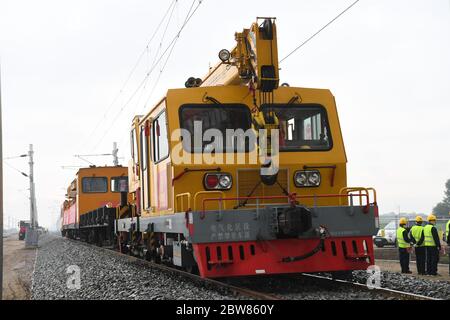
(64, 64)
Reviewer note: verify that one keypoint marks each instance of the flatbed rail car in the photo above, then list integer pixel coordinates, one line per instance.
(89, 210)
(224, 217)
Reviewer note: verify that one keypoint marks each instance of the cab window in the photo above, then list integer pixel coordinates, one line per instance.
(95, 184)
(302, 127)
(220, 117)
(160, 138)
(119, 184)
(144, 149)
(134, 151)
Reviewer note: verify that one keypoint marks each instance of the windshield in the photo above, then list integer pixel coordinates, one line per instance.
(391, 226)
(95, 184)
(220, 118)
(302, 127)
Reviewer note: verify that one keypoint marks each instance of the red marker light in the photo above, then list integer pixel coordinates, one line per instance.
(212, 181)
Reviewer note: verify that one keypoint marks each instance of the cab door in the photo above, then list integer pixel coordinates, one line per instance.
(145, 166)
(161, 170)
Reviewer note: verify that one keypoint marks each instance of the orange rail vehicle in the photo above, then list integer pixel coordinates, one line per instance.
(89, 209)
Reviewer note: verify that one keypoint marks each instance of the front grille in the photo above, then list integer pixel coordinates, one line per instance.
(248, 179)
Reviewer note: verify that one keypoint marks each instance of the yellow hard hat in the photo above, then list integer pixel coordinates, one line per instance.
(431, 217)
(419, 219)
(403, 221)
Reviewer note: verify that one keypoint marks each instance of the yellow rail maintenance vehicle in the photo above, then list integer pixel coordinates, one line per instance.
(236, 175)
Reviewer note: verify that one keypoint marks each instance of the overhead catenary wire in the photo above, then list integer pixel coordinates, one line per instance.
(186, 20)
(319, 31)
(188, 17)
(15, 169)
(168, 49)
(133, 70)
(156, 55)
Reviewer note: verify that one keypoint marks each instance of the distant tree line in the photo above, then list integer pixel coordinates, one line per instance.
(443, 208)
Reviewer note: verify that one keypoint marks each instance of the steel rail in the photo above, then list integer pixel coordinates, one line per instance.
(383, 291)
(234, 289)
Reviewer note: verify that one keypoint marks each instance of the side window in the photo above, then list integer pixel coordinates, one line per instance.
(119, 184)
(94, 184)
(144, 149)
(160, 138)
(133, 145)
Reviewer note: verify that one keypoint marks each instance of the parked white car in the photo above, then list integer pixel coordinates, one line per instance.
(387, 235)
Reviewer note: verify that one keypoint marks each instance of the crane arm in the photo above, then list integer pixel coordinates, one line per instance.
(252, 62)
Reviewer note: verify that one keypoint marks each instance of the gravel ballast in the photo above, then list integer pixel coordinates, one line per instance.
(401, 282)
(105, 275)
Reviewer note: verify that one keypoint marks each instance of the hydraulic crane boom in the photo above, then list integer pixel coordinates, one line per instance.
(253, 62)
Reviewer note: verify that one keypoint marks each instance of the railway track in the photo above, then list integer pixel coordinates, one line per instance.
(220, 285)
(253, 288)
(389, 293)
(312, 286)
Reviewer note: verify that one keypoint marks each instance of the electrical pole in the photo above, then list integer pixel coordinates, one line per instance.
(31, 163)
(31, 237)
(1, 194)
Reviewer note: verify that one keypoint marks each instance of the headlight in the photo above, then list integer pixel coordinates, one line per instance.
(217, 181)
(225, 181)
(224, 55)
(304, 179)
(301, 178)
(314, 179)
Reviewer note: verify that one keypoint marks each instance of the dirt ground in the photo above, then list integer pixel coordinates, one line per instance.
(18, 265)
(388, 265)
(391, 253)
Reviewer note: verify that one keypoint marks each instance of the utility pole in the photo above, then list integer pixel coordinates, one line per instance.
(31, 237)
(32, 199)
(1, 193)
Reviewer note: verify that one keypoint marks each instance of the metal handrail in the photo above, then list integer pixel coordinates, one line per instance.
(348, 190)
(181, 196)
(206, 192)
(291, 199)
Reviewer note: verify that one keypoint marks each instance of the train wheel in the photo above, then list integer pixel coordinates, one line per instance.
(152, 252)
(100, 238)
(141, 253)
(192, 269)
(92, 236)
(124, 242)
